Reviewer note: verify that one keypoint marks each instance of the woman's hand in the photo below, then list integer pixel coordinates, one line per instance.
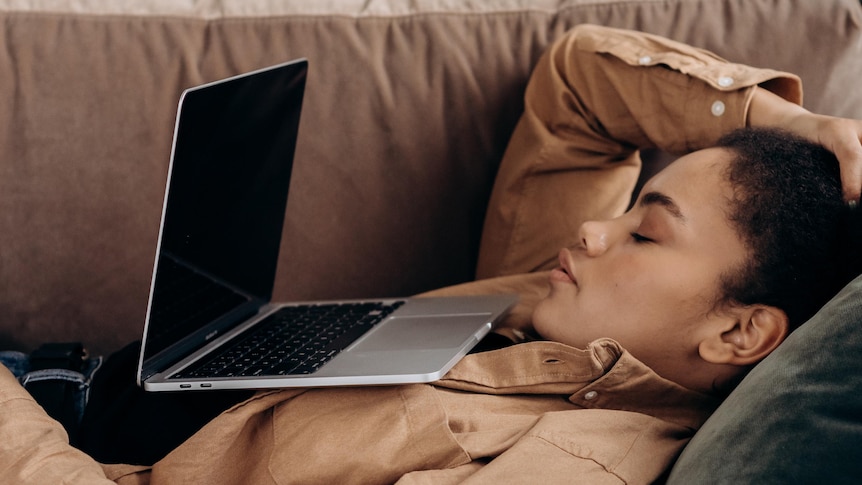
(842, 136)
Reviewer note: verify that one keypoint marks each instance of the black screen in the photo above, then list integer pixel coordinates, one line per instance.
(225, 204)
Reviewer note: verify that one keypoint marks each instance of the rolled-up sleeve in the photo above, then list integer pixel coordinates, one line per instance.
(595, 98)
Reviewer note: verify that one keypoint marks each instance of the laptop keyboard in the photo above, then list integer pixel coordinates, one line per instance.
(293, 340)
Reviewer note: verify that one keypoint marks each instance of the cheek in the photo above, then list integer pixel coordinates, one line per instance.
(651, 289)
(683, 293)
(630, 280)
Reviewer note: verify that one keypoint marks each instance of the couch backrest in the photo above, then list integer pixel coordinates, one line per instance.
(408, 111)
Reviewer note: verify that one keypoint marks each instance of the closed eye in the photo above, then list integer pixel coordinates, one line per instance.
(640, 239)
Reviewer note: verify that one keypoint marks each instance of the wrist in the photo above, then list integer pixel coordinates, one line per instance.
(767, 109)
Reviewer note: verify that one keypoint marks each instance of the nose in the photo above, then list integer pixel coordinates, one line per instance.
(595, 237)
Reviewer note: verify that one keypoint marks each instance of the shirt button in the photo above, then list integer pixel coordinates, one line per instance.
(644, 60)
(725, 81)
(717, 108)
(591, 395)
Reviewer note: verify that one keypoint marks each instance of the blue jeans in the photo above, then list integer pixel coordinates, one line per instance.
(19, 364)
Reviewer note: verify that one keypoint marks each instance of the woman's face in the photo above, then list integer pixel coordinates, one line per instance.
(651, 277)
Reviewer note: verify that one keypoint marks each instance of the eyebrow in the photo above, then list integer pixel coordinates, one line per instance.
(657, 198)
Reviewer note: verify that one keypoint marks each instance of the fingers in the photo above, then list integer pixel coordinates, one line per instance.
(844, 139)
(851, 176)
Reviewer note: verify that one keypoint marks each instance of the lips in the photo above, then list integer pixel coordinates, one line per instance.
(565, 272)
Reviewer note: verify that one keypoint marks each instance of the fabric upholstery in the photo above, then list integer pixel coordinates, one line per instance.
(408, 111)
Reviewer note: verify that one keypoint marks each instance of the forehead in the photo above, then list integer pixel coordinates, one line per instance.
(698, 185)
(696, 180)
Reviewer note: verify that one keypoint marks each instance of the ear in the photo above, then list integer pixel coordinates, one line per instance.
(746, 339)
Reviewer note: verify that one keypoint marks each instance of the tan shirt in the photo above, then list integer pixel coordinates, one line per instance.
(538, 411)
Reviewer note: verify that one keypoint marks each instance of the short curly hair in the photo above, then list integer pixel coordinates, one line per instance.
(788, 208)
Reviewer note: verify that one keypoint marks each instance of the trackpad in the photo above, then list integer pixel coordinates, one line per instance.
(418, 333)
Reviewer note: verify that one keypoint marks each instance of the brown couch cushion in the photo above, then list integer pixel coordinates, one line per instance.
(408, 110)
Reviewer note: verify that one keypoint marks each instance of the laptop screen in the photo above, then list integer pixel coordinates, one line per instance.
(224, 209)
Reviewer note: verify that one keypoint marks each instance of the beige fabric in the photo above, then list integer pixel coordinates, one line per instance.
(218, 9)
(518, 401)
(409, 109)
(542, 407)
(32, 441)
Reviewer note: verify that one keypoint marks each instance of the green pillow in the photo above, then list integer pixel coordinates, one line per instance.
(797, 417)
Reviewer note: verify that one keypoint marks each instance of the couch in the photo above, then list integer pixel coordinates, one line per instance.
(408, 110)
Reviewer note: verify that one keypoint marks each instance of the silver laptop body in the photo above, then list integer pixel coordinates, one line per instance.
(219, 237)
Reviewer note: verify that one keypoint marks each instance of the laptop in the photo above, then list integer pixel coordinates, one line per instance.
(210, 321)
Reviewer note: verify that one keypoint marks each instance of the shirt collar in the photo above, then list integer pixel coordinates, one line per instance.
(630, 385)
(602, 376)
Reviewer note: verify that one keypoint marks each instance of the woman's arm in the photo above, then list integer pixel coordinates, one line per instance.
(595, 97)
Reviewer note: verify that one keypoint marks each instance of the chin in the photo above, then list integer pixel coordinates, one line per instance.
(548, 321)
(540, 318)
